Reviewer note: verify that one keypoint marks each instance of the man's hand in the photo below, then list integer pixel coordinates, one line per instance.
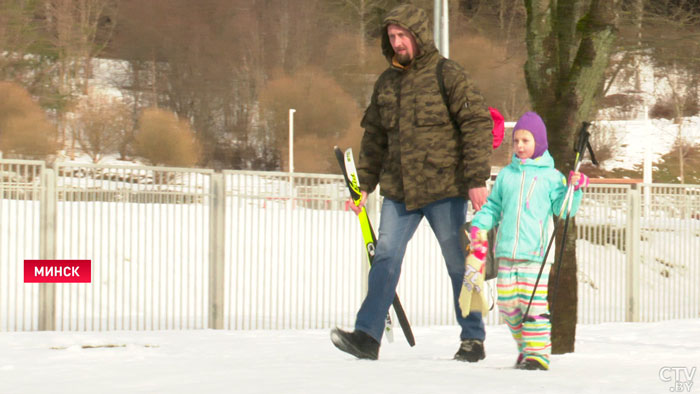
(478, 197)
(358, 208)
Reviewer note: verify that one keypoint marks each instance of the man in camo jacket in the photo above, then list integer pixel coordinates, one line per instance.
(425, 167)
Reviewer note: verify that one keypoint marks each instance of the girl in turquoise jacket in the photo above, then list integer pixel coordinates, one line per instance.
(525, 195)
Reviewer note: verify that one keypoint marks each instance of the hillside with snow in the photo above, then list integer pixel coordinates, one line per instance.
(629, 140)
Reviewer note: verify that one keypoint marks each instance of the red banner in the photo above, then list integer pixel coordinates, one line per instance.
(57, 271)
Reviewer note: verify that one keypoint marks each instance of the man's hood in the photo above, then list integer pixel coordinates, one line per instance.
(416, 21)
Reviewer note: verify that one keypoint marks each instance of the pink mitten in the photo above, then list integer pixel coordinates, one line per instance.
(479, 242)
(582, 181)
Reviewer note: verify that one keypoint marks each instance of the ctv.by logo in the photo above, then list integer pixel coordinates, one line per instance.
(682, 378)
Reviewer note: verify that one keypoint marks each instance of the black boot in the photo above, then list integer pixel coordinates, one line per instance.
(357, 343)
(531, 365)
(471, 350)
(520, 359)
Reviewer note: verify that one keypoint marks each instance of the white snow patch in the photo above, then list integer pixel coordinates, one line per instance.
(610, 357)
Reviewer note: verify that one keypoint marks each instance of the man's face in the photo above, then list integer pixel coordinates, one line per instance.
(403, 42)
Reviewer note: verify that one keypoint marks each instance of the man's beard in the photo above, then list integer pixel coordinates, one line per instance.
(403, 59)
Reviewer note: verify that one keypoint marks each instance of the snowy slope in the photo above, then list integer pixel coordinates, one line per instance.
(632, 138)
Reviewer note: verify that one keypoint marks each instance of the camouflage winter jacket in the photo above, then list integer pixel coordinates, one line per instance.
(410, 145)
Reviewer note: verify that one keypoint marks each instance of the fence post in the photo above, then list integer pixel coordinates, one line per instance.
(633, 254)
(217, 212)
(47, 245)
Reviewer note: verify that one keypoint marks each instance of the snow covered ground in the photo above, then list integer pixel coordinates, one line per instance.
(609, 358)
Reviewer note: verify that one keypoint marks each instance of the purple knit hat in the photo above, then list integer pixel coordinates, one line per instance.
(532, 122)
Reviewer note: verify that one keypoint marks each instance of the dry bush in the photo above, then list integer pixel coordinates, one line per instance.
(163, 139)
(315, 154)
(25, 132)
(497, 72)
(662, 109)
(324, 115)
(670, 108)
(102, 125)
(669, 170)
(620, 106)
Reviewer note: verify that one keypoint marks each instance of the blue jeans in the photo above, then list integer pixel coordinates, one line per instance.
(396, 229)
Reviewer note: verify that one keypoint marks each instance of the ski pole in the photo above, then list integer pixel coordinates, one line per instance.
(582, 144)
(580, 147)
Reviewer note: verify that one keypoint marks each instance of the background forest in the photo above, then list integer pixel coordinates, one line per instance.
(209, 83)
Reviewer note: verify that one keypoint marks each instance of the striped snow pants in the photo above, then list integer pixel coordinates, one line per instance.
(516, 279)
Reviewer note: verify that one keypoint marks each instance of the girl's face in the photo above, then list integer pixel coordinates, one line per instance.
(523, 144)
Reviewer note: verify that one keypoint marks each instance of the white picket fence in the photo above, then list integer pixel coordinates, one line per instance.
(181, 249)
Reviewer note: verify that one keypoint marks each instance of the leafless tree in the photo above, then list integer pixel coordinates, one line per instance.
(101, 125)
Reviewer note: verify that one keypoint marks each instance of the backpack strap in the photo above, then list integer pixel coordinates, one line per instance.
(443, 92)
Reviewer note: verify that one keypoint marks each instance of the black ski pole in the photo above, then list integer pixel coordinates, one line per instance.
(582, 144)
(580, 147)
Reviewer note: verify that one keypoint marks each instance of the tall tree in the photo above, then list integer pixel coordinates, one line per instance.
(347, 53)
(675, 28)
(74, 27)
(27, 54)
(17, 36)
(212, 71)
(363, 17)
(569, 44)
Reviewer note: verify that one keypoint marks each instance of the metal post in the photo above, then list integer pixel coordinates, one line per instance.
(445, 30)
(47, 241)
(647, 180)
(291, 140)
(633, 254)
(291, 158)
(441, 27)
(437, 5)
(217, 229)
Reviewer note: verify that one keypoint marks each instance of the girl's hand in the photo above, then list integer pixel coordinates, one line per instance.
(479, 242)
(578, 179)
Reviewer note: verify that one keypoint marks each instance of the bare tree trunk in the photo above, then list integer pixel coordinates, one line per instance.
(284, 30)
(154, 81)
(569, 45)
(677, 83)
(363, 33)
(501, 14)
(638, 57)
(73, 25)
(680, 150)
